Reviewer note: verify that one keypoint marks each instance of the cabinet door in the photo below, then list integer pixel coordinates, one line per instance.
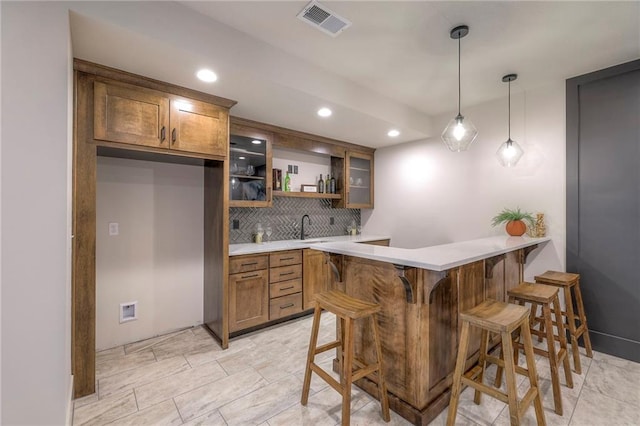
(359, 181)
(250, 173)
(248, 299)
(199, 127)
(128, 114)
(315, 274)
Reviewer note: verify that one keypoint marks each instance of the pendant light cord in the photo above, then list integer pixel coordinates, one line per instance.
(509, 109)
(459, 75)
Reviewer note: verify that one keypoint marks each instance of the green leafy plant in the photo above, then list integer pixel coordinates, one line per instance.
(507, 215)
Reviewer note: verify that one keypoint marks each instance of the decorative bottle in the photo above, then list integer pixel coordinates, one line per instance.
(321, 185)
(287, 183)
(327, 184)
(332, 185)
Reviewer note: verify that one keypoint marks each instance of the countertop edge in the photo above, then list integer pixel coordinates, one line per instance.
(283, 245)
(419, 257)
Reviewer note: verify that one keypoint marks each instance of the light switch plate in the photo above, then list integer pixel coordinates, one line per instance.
(113, 229)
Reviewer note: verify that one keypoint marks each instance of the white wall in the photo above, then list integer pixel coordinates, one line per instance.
(36, 112)
(426, 195)
(157, 257)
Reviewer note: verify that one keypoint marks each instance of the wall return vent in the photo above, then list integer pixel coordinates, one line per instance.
(323, 19)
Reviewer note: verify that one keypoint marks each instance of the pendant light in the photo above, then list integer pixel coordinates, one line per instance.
(509, 152)
(459, 133)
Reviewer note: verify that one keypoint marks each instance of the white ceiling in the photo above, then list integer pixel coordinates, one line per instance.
(396, 66)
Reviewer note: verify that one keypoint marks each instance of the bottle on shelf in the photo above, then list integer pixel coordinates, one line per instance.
(332, 185)
(287, 183)
(327, 183)
(321, 185)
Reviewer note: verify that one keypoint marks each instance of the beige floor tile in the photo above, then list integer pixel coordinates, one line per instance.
(110, 366)
(184, 342)
(441, 419)
(371, 414)
(85, 400)
(105, 410)
(264, 403)
(613, 381)
(596, 409)
(213, 418)
(214, 395)
(206, 354)
(618, 362)
(323, 408)
(177, 384)
(147, 343)
(109, 354)
(140, 376)
(164, 413)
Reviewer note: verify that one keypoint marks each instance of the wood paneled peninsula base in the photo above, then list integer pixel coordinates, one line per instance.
(421, 292)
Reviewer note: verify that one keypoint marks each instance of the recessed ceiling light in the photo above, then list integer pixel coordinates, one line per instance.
(207, 76)
(393, 133)
(242, 158)
(256, 142)
(324, 112)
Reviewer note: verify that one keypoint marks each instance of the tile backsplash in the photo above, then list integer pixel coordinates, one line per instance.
(284, 218)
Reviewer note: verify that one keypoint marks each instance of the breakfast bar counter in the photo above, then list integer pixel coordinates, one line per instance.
(421, 292)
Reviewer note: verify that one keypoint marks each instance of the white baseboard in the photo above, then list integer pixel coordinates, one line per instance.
(70, 403)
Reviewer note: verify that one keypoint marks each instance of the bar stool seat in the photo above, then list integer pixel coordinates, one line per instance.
(568, 282)
(547, 297)
(502, 318)
(347, 309)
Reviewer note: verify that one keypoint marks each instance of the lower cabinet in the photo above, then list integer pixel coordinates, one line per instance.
(315, 276)
(248, 298)
(285, 283)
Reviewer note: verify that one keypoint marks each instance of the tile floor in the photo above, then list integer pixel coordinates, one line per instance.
(185, 378)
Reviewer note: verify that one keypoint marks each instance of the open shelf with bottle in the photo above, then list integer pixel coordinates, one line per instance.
(306, 195)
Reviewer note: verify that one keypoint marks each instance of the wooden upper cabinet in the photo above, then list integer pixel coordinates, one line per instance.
(125, 113)
(199, 127)
(250, 159)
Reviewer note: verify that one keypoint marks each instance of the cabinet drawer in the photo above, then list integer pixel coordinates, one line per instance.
(284, 288)
(285, 305)
(248, 263)
(284, 258)
(285, 273)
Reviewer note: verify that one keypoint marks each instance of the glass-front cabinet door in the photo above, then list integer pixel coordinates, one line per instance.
(359, 180)
(249, 167)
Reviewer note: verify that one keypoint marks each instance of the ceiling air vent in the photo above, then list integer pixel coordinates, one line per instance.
(323, 19)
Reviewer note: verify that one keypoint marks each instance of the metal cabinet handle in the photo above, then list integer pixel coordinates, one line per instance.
(286, 258)
(173, 135)
(283, 274)
(286, 306)
(250, 276)
(249, 264)
(286, 288)
(163, 134)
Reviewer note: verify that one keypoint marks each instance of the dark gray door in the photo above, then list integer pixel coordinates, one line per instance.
(603, 203)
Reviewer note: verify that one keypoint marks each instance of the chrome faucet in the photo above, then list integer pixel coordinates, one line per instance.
(302, 234)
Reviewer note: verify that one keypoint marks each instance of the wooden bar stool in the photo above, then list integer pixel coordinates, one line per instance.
(502, 318)
(547, 297)
(347, 309)
(569, 281)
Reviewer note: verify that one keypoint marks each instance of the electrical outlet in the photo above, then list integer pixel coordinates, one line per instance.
(295, 170)
(289, 168)
(128, 311)
(236, 224)
(113, 229)
(332, 221)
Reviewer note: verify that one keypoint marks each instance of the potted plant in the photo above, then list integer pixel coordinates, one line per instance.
(515, 220)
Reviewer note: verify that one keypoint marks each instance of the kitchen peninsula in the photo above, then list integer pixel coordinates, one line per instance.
(421, 292)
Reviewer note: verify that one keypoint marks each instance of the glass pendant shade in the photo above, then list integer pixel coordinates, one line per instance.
(509, 153)
(459, 134)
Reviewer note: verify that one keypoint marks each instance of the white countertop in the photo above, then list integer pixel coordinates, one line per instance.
(435, 258)
(252, 248)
